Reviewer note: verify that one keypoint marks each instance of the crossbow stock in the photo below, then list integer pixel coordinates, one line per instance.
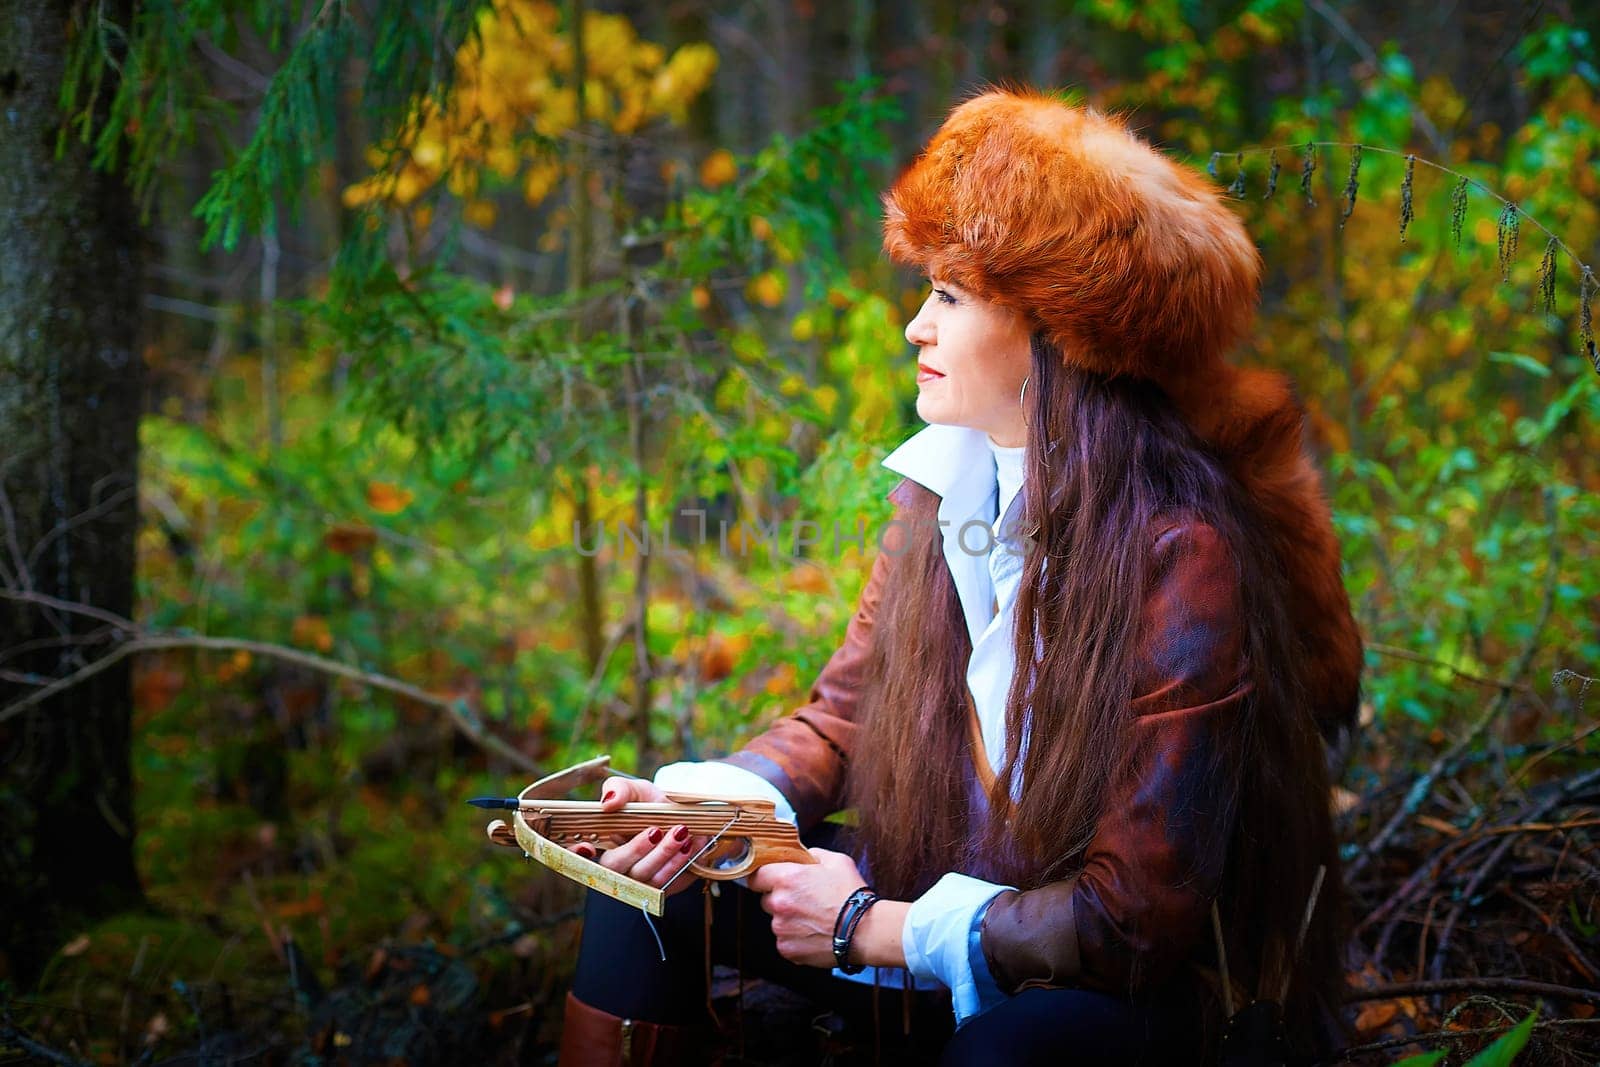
(744, 833)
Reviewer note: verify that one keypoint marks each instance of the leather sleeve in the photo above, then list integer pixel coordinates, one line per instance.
(1143, 897)
(805, 754)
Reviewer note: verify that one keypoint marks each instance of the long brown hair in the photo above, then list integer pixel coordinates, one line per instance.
(1107, 460)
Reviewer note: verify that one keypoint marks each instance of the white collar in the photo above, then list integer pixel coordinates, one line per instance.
(942, 458)
(955, 462)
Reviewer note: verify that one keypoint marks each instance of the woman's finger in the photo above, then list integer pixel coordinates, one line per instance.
(669, 846)
(622, 858)
(677, 863)
(616, 791)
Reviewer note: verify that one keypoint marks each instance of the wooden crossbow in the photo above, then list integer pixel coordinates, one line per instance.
(744, 833)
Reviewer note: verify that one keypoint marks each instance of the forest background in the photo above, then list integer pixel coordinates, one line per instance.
(347, 355)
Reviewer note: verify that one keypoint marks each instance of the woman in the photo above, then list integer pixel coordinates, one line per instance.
(1062, 842)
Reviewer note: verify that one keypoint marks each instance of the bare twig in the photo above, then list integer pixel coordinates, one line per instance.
(1395, 652)
(1366, 51)
(66, 526)
(71, 607)
(22, 577)
(1579, 958)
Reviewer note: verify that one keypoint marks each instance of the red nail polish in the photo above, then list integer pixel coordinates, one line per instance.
(655, 835)
(585, 851)
(680, 833)
(609, 794)
(685, 846)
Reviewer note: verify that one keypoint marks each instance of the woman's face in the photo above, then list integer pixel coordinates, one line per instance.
(972, 357)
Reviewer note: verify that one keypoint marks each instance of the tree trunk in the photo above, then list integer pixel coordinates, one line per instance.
(70, 395)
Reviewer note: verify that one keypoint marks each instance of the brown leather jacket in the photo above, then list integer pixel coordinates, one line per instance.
(1141, 905)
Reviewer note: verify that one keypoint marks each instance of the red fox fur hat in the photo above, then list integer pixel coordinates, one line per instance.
(1130, 263)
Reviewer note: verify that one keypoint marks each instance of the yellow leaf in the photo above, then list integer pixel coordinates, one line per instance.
(767, 289)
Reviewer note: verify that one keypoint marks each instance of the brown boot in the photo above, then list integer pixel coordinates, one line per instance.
(594, 1038)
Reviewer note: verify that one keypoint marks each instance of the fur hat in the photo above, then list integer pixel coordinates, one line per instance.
(1130, 263)
(1126, 260)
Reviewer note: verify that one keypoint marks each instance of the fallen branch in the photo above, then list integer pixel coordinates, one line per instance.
(1396, 990)
(461, 716)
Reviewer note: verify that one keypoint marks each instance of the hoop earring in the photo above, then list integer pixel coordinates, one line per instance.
(1020, 396)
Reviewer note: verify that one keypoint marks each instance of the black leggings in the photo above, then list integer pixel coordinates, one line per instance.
(620, 971)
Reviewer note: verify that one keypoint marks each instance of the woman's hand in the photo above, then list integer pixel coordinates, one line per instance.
(804, 900)
(651, 856)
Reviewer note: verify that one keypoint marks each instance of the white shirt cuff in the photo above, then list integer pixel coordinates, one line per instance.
(936, 937)
(723, 780)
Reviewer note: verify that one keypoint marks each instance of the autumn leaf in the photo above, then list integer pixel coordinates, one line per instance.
(349, 538)
(387, 499)
(766, 289)
(155, 687)
(312, 631)
(718, 656)
(782, 681)
(718, 168)
(1376, 1015)
(806, 578)
(312, 904)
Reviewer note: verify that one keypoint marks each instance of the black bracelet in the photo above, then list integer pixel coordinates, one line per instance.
(844, 927)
